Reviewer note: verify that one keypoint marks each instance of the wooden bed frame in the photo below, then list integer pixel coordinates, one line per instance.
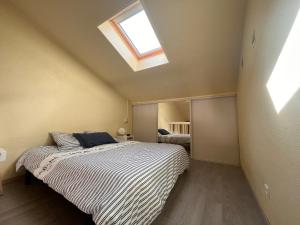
(31, 179)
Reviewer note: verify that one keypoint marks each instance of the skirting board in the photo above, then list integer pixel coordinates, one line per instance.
(252, 190)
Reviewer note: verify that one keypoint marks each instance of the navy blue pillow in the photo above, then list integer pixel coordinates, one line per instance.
(163, 132)
(89, 140)
(78, 136)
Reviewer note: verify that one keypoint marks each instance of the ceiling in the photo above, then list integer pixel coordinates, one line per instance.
(201, 38)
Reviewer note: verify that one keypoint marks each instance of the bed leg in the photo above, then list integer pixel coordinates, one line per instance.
(88, 220)
(28, 178)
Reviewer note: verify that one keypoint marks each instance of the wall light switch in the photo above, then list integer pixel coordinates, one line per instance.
(2, 155)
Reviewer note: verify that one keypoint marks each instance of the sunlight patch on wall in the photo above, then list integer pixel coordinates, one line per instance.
(285, 79)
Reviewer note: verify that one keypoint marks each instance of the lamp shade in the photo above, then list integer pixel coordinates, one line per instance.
(121, 131)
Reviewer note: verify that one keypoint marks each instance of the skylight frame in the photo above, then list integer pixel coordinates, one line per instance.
(122, 16)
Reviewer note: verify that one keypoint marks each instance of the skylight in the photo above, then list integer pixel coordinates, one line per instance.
(132, 35)
(140, 32)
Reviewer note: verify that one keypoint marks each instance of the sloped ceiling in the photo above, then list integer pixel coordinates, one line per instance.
(200, 37)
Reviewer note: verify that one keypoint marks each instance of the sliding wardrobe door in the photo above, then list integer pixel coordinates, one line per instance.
(145, 119)
(214, 130)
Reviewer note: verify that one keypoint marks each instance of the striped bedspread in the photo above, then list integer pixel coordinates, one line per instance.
(175, 138)
(124, 183)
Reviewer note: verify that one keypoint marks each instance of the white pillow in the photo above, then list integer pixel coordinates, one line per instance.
(65, 141)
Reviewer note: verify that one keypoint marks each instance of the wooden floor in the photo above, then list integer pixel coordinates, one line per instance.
(207, 194)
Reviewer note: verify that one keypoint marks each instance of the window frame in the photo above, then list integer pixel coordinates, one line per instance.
(123, 15)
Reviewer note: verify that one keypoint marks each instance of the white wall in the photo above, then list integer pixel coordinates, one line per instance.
(201, 38)
(270, 140)
(44, 89)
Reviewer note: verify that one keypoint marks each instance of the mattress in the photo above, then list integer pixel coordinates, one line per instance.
(123, 183)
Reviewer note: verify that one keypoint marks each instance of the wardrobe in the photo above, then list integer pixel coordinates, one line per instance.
(214, 131)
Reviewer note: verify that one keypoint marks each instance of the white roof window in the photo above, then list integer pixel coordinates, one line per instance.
(133, 36)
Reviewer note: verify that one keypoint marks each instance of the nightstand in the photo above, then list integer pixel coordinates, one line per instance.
(121, 138)
(130, 138)
(124, 138)
(1, 187)
(2, 158)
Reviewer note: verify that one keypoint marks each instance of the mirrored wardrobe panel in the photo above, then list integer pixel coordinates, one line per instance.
(174, 125)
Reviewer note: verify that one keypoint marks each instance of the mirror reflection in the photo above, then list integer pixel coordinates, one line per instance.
(174, 125)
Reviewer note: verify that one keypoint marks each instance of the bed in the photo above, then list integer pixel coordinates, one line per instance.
(179, 139)
(122, 183)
